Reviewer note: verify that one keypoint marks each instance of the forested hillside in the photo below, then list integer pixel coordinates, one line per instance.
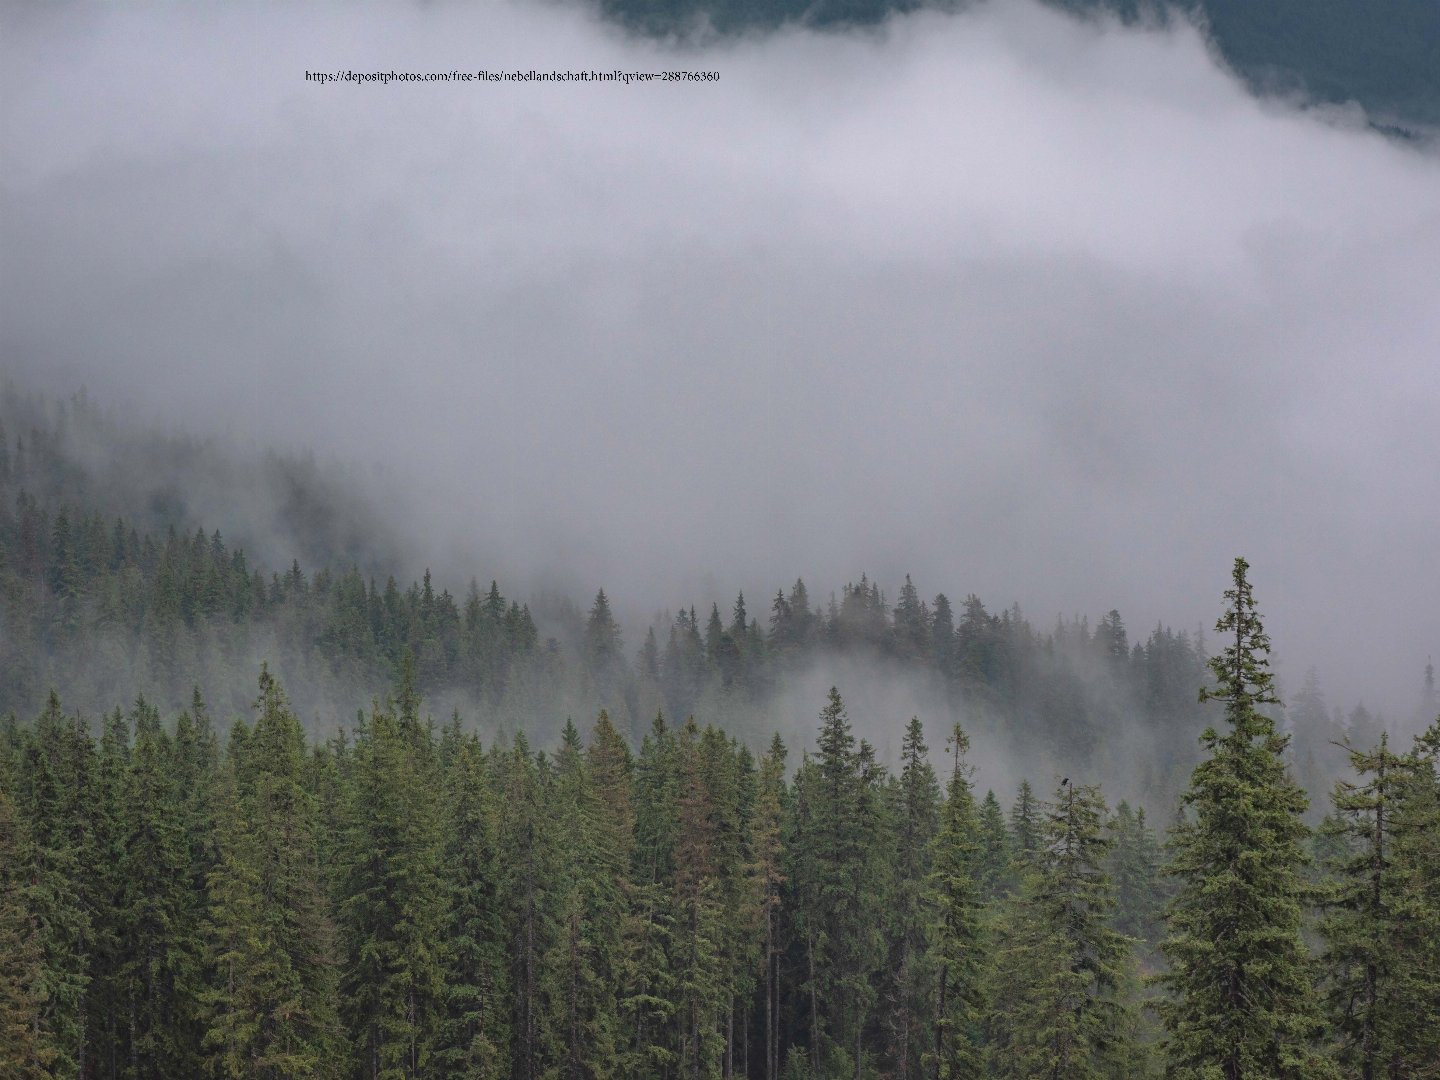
(402, 901)
(104, 604)
(200, 883)
(1381, 54)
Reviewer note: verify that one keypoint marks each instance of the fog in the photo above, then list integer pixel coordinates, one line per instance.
(1046, 310)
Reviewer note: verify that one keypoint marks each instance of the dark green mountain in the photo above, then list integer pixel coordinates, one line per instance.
(1382, 54)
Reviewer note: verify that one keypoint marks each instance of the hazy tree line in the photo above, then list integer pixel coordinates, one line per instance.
(377, 895)
(104, 604)
(401, 901)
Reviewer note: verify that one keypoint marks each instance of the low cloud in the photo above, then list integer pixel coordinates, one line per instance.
(1047, 310)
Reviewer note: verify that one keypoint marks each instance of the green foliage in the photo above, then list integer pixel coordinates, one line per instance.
(992, 868)
(56, 788)
(1025, 824)
(527, 898)
(957, 951)
(393, 903)
(1243, 997)
(1062, 970)
(271, 940)
(392, 908)
(160, 968)
(25, 1051)
(840, 884)
(1377, 926)
(915, 814)
(1135, 867)
(472, 1037)
(1383, 918)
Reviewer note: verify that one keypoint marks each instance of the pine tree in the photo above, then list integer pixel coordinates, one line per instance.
(1061, 968)
(840, 884)
(391, 911)
(609, 774)
(56, 789)
(272, 1013)
(578, 1021)
(766, 847)
(158, 958)
(1025, 824)
(1134, 866)
(1366, 930)
(25, 1052)
(916, 813)
(993, 867)
(1243, 1004)
(473, 1036)
(1382, 964)
(698, 905)
(912, 624)
(954, 897)
(527, 885)
(647, 991)
(942, 637)
(604, 652)
(106, 998)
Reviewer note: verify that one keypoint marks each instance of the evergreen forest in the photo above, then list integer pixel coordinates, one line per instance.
(302, 820)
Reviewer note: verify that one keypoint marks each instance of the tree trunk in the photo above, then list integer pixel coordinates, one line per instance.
(940, 1021)
(769, 993)
(814, 1010)
(730, 1039)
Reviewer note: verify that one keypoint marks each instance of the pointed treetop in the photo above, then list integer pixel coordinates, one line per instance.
(1243, 667)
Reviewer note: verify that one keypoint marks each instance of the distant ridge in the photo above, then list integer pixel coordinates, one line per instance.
(1381, 54)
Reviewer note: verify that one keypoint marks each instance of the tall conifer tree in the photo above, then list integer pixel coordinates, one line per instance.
(391, 913)
(25, 1049)
(1061, 969)
(473, 1037)
(272, 1012)
(916, 813)
(1243, 1004)
(1371, 959)
(954, 896)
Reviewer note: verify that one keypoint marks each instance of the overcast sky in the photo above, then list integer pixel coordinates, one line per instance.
(1047, 311)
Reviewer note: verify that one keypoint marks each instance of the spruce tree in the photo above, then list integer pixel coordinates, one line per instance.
(527, 888)
(1025, 824)
(840, 885)
(271, 941)
(916, 813)
(700, 991)
(1061, 969)
(953, 894)
(992, 870)
(106, 1042)
(25, 1050)
(578, 1018)
(1396, 932)
(1134, 866)
(1242, 1003)
(1369, 931)
(647, 1001)
(766, 846)
(473, 1037)
(62, 869)
(391, 911)
(160, 949)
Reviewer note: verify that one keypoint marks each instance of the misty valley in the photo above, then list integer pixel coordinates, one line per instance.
(910, 557)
